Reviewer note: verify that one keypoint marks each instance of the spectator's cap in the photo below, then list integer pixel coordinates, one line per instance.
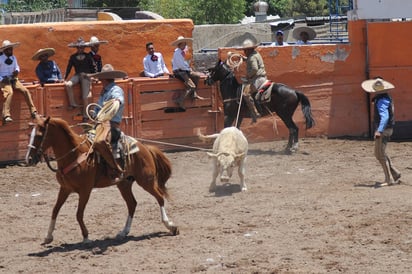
(279, 32)
(7, 44)
(79, 43)
(95, 41)
(46, 51)
(181, 39)
(297, 31)
(377, 85)
(108, 72)
(248, 44)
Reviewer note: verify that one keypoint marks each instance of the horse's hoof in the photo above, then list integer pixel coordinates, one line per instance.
(47, 241)
(174, 230)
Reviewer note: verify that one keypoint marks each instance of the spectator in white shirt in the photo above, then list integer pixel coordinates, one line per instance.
(153, 63)
(182, 70)
(279, 39)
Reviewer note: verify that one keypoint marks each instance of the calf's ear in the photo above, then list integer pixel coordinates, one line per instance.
(210, 154)
(239, 156)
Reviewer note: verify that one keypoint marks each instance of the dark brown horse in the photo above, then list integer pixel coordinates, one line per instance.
(149, 167)
(284, 101)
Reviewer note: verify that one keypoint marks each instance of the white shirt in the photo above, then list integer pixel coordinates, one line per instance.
(276, 44)
(7, 70)
(300, 42)
(179, 61)
(153, 68)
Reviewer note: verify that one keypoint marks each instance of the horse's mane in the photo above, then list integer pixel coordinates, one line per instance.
(73, 136)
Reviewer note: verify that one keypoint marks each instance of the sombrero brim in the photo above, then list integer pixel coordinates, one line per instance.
(113, 74)
(296, 33)
(48, 51)
(11, 45)
(369, 84)
(251, 47)
(178, 41)
(97, 43)
(75, 45)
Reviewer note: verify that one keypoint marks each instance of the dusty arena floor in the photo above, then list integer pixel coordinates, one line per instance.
(313, 212)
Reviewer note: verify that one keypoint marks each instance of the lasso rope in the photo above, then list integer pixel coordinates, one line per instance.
(234, 60)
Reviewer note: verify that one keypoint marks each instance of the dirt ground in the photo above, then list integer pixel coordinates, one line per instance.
(317, 211)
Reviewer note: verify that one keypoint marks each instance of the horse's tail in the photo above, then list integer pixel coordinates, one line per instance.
(163, 168)
(306, 109)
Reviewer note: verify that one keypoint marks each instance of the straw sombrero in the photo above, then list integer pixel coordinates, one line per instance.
(95, 41)
(108, 72)
(181, 39)
(376, 85)
(7, 44)
(248, 44)
(40, 52)
(79, 43)
(297, 31)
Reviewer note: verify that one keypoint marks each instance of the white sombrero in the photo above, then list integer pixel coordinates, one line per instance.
(297, 31)
(40, 52)
(108, 72)
(376, 85)
(7, 44)
(181, 39)
(248, 44)
(95, 41)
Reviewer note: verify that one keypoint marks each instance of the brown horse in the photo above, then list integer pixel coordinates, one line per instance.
(149, 167)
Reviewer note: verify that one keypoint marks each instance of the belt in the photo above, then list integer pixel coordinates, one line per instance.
(181, 70)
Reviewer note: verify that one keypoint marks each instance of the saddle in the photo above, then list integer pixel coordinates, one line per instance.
(125, 147)
(264, 93)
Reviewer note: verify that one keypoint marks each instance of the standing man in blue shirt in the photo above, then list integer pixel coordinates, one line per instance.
(384, 121)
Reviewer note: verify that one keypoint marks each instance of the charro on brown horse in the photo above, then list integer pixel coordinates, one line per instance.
(79, 171)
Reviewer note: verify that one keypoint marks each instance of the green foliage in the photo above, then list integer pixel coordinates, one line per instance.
(310, 7)
(200, 11)
(34, 5)
(112, 3)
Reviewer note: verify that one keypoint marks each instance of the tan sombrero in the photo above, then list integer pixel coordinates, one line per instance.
(376, 85)
(108, 72)
(7, 44)
(297, 31)
(181, 39)
(40, 52)
(95, 41)
(79, 43)
(248, 44)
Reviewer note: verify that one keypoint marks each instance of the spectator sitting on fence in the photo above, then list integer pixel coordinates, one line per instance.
(303, 35)
(182, 70)
(9, 71)
(94, 44)
(47, 70)
(83, 64)
(153, 63)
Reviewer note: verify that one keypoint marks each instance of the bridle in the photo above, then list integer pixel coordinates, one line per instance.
(40, 150)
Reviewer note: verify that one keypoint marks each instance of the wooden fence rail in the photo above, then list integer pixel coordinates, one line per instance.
(150, 114)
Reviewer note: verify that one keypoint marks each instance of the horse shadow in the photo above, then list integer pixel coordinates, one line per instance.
(96, 246)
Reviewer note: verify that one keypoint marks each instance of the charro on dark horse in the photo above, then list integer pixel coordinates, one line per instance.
(278, 98)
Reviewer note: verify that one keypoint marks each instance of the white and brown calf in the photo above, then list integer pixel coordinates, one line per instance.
(229, 150)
